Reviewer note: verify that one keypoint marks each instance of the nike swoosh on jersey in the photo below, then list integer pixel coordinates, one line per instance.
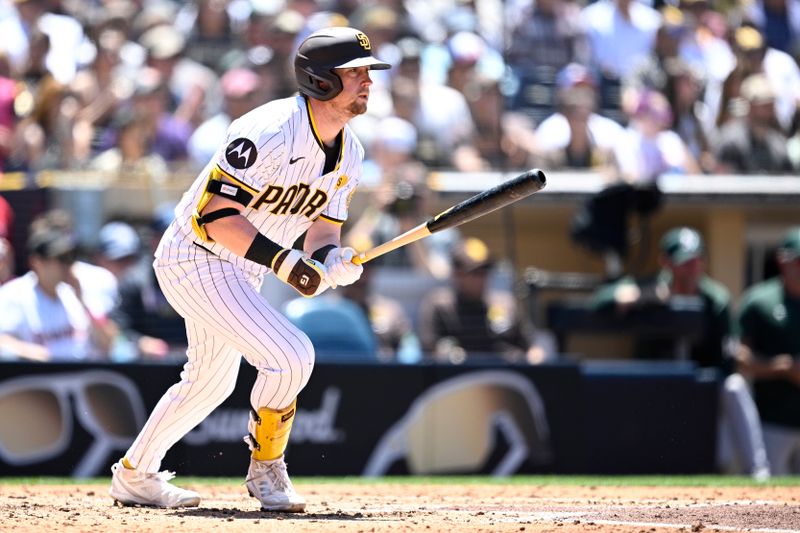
(294, 160)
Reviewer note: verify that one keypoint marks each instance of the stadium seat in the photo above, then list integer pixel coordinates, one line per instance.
(339, 329)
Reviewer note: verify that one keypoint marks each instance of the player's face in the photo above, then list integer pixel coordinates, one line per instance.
(689, 272)
(355, 90)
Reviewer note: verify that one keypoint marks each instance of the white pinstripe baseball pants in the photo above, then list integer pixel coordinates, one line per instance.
(226, 318)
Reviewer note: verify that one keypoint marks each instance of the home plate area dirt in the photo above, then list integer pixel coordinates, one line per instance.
(401, 507)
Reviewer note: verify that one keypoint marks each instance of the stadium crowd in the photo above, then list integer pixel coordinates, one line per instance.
(145, 86)
(148, 88)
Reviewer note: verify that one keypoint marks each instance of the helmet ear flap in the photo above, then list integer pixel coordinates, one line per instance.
(316, 82)
(330, 86)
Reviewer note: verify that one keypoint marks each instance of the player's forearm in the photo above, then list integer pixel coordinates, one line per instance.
(321, 233)
(235, 233)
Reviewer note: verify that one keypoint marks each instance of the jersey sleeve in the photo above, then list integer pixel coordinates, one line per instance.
(251, 157)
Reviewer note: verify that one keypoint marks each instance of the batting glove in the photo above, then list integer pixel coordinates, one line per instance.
(340, 267)
(304, 274)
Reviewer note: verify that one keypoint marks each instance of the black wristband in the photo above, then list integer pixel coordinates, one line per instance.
(263, 250)
(322, 254)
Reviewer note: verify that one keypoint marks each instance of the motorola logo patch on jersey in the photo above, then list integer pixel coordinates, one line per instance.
(241, 153)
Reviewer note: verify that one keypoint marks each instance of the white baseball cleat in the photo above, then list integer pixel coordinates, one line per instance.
(131, 487)
(269, 483)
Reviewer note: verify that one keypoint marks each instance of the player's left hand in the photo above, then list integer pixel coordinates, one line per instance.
(340, 267)
(304, 274)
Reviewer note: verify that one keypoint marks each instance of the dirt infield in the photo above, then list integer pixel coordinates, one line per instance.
(415, 507)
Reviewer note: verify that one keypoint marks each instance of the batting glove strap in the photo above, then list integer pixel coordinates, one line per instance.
(340, 267)
(300, 272)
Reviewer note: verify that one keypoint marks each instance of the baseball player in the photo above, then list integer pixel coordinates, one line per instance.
(286, 169)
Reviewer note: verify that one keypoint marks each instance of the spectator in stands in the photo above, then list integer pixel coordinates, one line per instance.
(545, 37)
(690, 115)
(621, 33)
(647, 148)
(440, 113)
(240, 92)
(39, 35)
(152, 14)
(17, 28)
(208, 27)
(576, 136)
(753, 143)
(164, 48)
(769, 322)
(704, 46)
(45, 315)
(132, 156)
(264, 62)
(500, 139)
(470, 57)
(504, 139)
(683, 274)
(779, 21)
(34, 69)
(748, 46)
(102, 85)
(118, 249)
(278, 33)
(166, 134)
(753, 56)
(649, 72)
(143, 315)
(185, 82)
(98, 285)
(118, 17)
(470, 321)
(45, 137)
(390, 156)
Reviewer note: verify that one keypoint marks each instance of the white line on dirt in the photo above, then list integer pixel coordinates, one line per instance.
(689, 526)
(660, 501)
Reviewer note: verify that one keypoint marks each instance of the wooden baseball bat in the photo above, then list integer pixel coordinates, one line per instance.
(482, 203)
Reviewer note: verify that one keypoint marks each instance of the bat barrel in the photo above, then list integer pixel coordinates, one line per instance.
(490, 200)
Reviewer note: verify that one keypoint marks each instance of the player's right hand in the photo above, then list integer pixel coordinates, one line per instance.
(301, 272)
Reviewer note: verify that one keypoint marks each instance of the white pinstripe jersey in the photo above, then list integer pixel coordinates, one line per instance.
(275, 154)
